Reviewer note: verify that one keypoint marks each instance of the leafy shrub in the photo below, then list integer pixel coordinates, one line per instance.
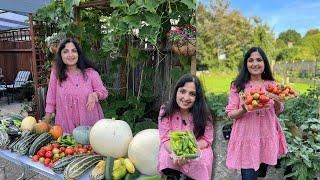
(303, 146)
(217, 104)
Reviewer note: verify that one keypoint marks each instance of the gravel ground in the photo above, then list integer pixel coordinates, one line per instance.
(221, 172)
(9, 170)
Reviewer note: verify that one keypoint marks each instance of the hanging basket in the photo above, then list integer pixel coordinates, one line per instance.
(53, 48)
(186, 49)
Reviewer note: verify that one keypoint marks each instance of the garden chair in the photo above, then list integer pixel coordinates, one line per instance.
(20, 80)
(3, 88)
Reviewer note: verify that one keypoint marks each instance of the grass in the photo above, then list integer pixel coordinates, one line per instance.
(219, 82)
(301, 87)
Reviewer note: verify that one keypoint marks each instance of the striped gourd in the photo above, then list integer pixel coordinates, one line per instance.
(77, 167)
(4, 139)
(16, 116)
(43, 139)
(23, 146)
(21, 139)
(24, 134)
(61, 164)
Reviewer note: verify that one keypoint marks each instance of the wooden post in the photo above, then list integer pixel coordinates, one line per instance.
(193, 65)
(34, 70)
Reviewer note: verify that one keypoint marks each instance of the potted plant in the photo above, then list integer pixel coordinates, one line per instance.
(183, 39)
(53, 41)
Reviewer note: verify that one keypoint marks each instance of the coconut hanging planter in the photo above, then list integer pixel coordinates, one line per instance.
(188, 48)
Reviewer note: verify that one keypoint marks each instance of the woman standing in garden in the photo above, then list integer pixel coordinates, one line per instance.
(186, 110)
(257, 139)
(75, 89)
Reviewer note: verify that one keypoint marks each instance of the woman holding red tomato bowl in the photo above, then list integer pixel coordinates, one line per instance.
(257, 139)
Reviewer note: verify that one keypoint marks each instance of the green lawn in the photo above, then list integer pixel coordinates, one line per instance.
(301, 87)
(219, 82)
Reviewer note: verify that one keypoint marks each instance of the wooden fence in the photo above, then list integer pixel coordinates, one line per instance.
(302, 69)
(15, 53)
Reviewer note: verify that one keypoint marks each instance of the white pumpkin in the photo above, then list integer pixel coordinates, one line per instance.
(110, 137)
(27, 123)
(143, 151)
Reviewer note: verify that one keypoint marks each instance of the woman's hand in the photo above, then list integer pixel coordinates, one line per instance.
(202, 144)
(178, 161)
(92, 100)
(47, 118)
(274, 97)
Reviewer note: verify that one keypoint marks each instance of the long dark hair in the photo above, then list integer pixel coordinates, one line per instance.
(83, 63)
(200, 111)
(244, 75)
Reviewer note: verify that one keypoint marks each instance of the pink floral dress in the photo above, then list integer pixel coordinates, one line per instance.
(68, 99)
(199, 169)
(257, 136)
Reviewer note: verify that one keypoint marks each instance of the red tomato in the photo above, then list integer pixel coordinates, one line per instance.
(62, 149)
(250, 107)
(56, 145)
(249, 100)
(69, 151)
(49, 154)
(50, 165)
(41, 152)
(263, 99)
(89, 148)
(270, 88)
(46, 162)
(76, 149)
(35, 158)
(83, 150)
(48, 147)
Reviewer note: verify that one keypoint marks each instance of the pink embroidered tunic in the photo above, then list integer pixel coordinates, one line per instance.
(199, 169)
(69, 98)
(257, 136)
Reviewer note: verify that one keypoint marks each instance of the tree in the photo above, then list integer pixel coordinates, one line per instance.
(263, 37)
(222, 31)
(290, 36)
(312, 43)
(312, 32)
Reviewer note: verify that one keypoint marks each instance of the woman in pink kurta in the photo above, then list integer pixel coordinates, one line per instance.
(257, 139)
(75, 89)
(186, 110)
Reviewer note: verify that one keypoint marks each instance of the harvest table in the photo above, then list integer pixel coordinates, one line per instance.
(27, 164)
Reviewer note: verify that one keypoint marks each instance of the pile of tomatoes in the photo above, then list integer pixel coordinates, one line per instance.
(51, 153)
(282, 91)
(255, 99)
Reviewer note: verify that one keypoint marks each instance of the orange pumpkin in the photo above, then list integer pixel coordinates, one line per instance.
(40, 127)
(56, 131)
